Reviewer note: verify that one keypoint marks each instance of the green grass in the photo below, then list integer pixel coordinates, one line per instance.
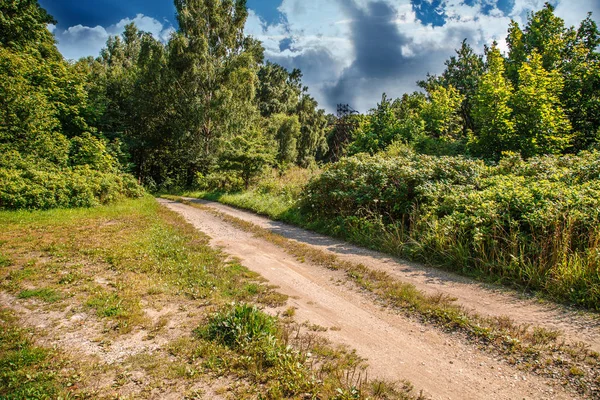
(111, 262)
(27, 371)
(46, 294)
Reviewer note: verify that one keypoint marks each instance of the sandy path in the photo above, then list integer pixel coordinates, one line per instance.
(397, 348)
(481, 298)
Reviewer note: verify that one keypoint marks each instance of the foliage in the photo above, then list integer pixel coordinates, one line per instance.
(492, 113)
(543, 100)
(442, 113)
(248, 154)
(278, 90)
(379, 130)
(534, 223)
(34, 186)
(463, 72)
(284, 131)
(50, 155)
(542, 124)
(312, 143)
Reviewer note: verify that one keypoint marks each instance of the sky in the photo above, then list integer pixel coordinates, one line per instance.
(350, 51)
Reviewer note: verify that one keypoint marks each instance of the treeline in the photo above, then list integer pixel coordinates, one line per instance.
(204, 108)
(542, 97)
(51, 155)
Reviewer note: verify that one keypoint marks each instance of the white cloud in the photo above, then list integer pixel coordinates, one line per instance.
(574, 11)
(321, 29)
(82, 41)
(317, 37)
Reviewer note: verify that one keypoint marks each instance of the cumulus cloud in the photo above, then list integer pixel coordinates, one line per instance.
(351, 51)
(574, 11)
(82, 41)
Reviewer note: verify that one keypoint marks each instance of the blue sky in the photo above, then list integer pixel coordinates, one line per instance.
(350, 51)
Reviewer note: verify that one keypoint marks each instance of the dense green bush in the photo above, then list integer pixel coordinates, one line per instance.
(534, 222)
(44, 185)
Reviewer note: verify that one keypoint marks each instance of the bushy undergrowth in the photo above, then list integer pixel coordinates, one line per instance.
(30, 185)
(534, 223)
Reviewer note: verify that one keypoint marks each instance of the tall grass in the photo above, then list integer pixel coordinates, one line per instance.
(531, 224)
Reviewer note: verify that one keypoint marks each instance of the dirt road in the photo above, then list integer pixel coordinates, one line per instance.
(440, 364)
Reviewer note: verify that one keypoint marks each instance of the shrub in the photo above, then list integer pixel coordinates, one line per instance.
(35, 187)
(239, 325)
(532, 222)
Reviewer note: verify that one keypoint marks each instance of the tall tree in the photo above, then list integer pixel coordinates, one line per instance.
(378, 131)
(540, 121)
(278, 90)
(215, 69)
(43, 100)
(581, 95)
(545, 33)
(442, 113)
(463, 72)
(284, 131)
(313, 124)
(517, 54)
(491, 111)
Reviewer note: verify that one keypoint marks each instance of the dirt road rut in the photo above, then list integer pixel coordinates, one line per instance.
(441, 365)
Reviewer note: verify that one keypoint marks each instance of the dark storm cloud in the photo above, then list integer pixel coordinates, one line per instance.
(377, 47)
(379, 65)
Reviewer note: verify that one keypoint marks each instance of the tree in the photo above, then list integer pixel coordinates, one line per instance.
(442, 113)
(214, 67)
(581, 94)
(23, 28)
(313, 123)
(491, 111)
(44, 101)
(284, 131)
(247, 154)
(28, 120)
(540, 121)
(463, 72)
(408, 110)
(278, 90)
(545, 34)
(377, 131)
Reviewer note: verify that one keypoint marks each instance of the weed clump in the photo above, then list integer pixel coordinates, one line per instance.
(239, 325)
(286, 362)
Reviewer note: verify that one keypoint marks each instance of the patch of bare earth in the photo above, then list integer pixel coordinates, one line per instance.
(397, 347)
(136, 364)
